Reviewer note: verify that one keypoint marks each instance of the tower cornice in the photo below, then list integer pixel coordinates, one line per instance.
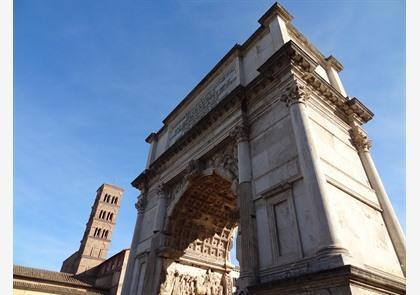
(111, 186)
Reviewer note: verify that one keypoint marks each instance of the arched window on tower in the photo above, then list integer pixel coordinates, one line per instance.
(116, 200)
(112, 200)
(106, 234)
(99, 232)
(110, 217)
(106, 196)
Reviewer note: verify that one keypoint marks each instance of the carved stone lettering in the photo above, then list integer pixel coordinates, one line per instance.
(214, 93)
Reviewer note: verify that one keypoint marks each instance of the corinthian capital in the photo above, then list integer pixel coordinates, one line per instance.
(240, 132)
(193, 168)
(295, 93)
(141, 203)
(360, 139)
(162, 191)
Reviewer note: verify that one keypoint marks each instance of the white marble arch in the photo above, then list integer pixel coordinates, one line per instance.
(272, 126)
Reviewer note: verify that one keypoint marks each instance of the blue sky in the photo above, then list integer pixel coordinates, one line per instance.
(93, 78)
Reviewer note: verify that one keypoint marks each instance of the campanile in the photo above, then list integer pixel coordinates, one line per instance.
(97, 237)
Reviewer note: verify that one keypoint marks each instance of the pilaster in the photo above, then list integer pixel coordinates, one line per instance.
(154, 261)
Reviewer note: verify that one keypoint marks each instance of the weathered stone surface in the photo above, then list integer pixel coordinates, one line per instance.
(268, 144)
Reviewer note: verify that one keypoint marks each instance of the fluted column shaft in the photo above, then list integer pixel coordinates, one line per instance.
(392, 224)
(131, 273)
(154, 261)
(295, 97)
(249, 246)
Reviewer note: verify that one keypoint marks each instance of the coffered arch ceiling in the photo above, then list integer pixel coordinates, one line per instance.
(203, 221)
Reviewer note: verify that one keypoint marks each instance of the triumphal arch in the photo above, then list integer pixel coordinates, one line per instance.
(268, 147)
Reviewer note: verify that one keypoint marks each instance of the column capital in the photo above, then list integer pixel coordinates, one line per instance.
(360, 139)
(141, 204)
(194, 168)
(295, 93)
(162, 190)
(240, 132)
(142, 181)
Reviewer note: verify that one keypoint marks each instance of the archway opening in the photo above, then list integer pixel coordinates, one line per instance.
(200, 235)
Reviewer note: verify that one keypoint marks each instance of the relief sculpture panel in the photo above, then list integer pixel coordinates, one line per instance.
(186, 280)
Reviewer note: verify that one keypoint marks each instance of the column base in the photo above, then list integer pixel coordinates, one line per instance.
(342, 280)
(332, 250)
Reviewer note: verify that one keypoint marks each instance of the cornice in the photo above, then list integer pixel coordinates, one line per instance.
(290, 56)
(303, 66)
(360, 110)
(151, 137)
(349, 274)
(105, 185)
(240, 49)
(275, 10)
(334, 63)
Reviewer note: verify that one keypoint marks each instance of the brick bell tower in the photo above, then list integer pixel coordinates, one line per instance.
(97, 237)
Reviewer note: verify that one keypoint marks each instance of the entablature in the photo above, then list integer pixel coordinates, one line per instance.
(225, 88)
(238, 67)
(299, 66)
